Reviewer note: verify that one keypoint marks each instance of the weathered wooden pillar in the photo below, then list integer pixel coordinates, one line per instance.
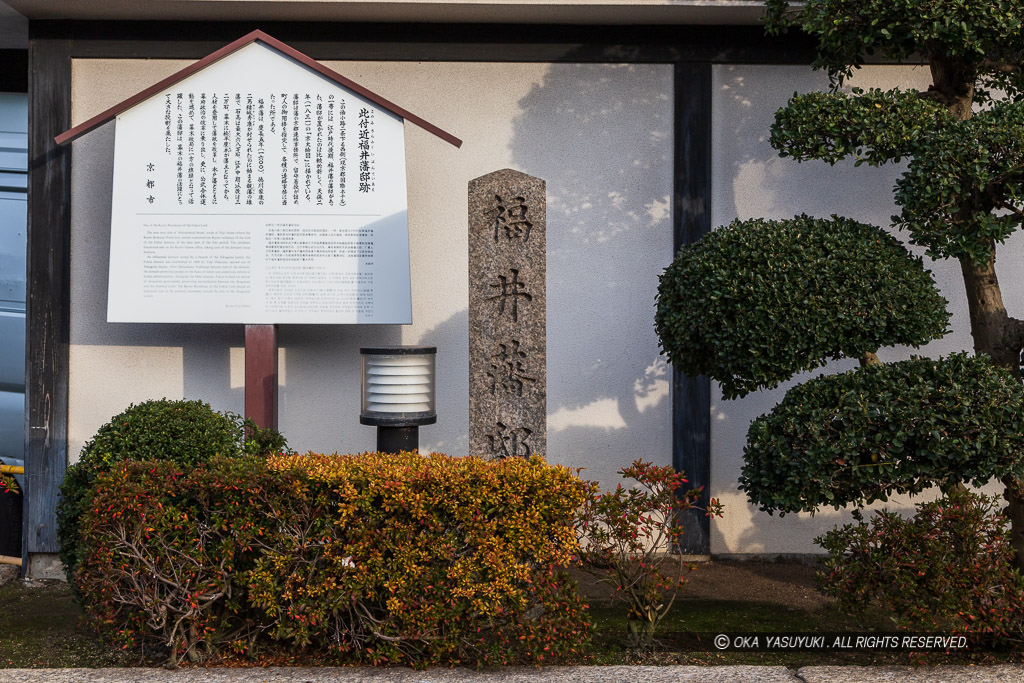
(261, 374)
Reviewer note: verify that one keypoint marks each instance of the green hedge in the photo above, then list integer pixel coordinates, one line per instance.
(978, 35)
(381, 559)
(873, 126)
(185, 432)
(753, 303)
(901, 427)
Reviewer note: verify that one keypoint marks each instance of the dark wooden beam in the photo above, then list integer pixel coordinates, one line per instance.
(691, 396)
(261, 374)
(441, 42)
(48, 290)
(13, 70)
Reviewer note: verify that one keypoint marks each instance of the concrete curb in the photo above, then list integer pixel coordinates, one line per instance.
(1004, 673)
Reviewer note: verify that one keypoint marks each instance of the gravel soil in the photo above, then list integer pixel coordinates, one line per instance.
(8, 573)
(789, 585)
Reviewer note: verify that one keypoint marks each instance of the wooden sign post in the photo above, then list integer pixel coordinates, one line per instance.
(261, 374)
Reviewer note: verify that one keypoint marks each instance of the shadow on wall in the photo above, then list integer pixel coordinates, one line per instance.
(451, 338)
(601, 137)
(102, 354)
(752, 181)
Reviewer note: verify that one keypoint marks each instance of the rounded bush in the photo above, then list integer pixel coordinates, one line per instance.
(901, 427)
(185, 432)
(753, 303)
(949, 568)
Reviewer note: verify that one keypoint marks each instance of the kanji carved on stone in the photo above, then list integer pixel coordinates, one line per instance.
(507, 372)
(507, 315)
(510, 289)
(510, 218)
(510, 442)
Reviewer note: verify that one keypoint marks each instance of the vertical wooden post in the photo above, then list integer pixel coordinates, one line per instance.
(48, 295)
(261, 374)
(691, 396)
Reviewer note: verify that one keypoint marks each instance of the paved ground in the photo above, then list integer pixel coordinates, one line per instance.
(607, 674)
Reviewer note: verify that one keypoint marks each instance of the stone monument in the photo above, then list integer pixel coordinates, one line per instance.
(507, 315)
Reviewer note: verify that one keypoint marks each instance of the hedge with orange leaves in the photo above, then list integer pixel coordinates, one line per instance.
(384, 559)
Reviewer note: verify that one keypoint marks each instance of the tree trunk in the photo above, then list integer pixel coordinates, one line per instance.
(999, 336)
(994, 332)
(953, 82)
(641, 628)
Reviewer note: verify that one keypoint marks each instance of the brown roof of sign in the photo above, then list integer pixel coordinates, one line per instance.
(287, 50)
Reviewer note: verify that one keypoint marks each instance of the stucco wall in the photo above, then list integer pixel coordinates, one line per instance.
(600, 135)
(750, 180)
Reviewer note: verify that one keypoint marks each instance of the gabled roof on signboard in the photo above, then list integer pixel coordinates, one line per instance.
(284, 49)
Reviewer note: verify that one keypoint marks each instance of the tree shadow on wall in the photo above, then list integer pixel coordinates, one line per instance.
(601, 137)
(451, 433)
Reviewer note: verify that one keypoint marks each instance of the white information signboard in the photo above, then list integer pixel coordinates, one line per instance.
(258, 191)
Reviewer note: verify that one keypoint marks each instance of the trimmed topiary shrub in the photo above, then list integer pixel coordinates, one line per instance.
(947, 569)
(979, 157)
(381, 559)
(961, 193)
(753, 303)
(901, 427)
(184, 432)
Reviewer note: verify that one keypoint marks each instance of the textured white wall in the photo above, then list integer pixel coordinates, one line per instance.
(750, 180)
(600, 135)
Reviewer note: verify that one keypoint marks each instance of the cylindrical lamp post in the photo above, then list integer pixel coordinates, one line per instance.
(398, 394)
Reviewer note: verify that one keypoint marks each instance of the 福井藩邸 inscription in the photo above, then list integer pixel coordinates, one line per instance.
(507, 316)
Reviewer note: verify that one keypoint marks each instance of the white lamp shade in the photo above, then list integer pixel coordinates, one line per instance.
(398, 385)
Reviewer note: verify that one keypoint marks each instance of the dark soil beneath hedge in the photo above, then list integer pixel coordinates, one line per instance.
(40, 626)
(789, 585)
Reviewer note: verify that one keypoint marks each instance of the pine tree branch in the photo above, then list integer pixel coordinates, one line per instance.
(999, 204)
